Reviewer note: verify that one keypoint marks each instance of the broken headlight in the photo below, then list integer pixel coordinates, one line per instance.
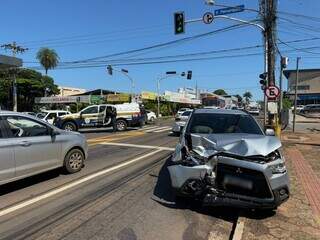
(278, 168)
(274, 156)
(190, 159)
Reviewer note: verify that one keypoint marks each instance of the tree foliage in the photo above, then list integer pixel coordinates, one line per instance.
(30, 84)
(247, 96)
(220, 92)
(239, 98)
(48, 58)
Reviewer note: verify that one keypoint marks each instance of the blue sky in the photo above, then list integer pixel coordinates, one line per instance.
(82, 29)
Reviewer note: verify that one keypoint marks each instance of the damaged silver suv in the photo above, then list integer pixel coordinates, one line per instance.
(224, 158)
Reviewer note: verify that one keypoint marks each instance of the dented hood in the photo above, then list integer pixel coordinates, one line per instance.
(238, 144)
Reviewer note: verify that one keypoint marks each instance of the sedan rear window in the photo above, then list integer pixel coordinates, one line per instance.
(209, 123)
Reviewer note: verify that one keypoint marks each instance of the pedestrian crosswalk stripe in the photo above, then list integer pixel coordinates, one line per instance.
(157, 129)
(163, 130)
(148, 128)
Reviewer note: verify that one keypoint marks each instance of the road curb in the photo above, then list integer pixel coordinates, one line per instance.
(238, 231)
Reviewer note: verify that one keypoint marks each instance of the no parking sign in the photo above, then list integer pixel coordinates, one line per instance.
(272, 92)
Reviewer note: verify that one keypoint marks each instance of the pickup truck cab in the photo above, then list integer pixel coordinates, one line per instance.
(94, 116)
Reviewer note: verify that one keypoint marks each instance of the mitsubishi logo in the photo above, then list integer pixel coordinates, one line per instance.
(239, 171)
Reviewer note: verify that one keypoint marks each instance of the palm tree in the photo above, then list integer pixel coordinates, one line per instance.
(247, 96)
(48, 58)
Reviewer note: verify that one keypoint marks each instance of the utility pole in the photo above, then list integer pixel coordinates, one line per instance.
(268, 10)
(15, 49)
(295, 95)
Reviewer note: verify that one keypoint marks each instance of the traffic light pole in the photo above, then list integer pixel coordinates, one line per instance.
(158, 90)
(265, 50)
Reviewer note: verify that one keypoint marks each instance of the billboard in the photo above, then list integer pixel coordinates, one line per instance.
(148, 95)
(66, 99)
(180, 98)
(121, 97)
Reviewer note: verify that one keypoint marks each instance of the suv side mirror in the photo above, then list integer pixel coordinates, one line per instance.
(270, 132)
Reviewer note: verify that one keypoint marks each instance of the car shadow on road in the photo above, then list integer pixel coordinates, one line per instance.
(29, 181)
(164, 195)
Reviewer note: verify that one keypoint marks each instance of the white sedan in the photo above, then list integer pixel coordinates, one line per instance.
(50, 115)
(181, 122)
(151, 116)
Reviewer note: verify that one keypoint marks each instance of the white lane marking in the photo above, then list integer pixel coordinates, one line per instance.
(53, 192)
(137, 146)
(163, 130)
(150, 127)
(238, 230)
(153, 130)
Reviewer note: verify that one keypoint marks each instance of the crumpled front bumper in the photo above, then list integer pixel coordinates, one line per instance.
(276, 184)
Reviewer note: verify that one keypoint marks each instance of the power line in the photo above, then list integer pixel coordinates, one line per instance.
(93, 35)
(174, 42)
(317, 19)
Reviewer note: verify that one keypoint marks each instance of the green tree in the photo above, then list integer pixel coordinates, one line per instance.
(220, 92)
(48, 58)
(239, 98)
(247, 96)
(30, 84)
(287, 103)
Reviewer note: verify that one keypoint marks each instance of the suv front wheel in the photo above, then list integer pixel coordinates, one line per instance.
(69, 126)
(121, 125)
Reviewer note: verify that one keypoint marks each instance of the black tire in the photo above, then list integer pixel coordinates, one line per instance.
(152, 119)
(73, 161)
(121, 125)
(69, 126)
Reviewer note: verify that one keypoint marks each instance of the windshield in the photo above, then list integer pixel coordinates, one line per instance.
(210, 123)
(187, 113)
(41, 115)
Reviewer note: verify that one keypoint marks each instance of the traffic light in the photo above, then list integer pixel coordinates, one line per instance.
(109, 68)
(189, 75)
(179, 22)
(263, 80)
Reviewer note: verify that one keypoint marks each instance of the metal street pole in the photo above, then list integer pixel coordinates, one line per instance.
(266, 71)
(158, 98)
(295, 96)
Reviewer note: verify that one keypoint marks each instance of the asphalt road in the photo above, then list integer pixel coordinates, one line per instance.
(122, 193)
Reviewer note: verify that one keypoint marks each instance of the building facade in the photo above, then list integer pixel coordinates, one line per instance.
(308, 87)
(70, 91)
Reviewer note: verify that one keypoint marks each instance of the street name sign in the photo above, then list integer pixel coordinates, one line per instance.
(229, 10)
(208, 17)
(272, 92)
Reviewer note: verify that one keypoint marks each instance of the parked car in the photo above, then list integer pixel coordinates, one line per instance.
(29, 146)
(253, 110)
(151, 116)
(224, 158)
(299, 108)
(94, 116)
(51, 115)
(30, 113)
(180, 111)
(311, 109)
(181, 122)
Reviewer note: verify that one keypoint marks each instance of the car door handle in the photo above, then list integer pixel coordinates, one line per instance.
(25, 144)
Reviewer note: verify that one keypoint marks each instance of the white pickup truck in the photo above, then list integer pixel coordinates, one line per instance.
(94, 116)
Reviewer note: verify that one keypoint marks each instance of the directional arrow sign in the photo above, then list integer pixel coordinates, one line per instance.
(208, 17)
(229, 10)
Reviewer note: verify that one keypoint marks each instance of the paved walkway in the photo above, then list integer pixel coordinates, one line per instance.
(299, 217)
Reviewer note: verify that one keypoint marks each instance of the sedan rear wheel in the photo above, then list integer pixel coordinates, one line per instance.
(74, 161)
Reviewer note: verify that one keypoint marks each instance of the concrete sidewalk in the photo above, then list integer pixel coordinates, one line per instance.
(299, 217)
